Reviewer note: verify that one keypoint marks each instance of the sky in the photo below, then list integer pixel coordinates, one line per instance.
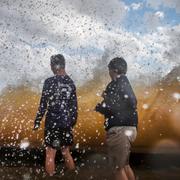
(146, 33)
(163, 13)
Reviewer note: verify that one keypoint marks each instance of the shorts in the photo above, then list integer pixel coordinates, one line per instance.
(118, 142)
(57, 138)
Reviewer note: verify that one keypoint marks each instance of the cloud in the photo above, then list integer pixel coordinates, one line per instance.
(88, 34)
(153, 20)
(153, 3)
(164, 45)
(173, 53)
(108, 12)
(136, 6)
(150, 56)
(159, 14)
(34, 30)
(175, 4)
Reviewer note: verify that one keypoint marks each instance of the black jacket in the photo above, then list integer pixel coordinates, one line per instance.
(119, 105)
(59, 100)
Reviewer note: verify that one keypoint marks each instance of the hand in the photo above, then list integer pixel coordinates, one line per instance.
(36, 126)
(104, 94)
(97, 107)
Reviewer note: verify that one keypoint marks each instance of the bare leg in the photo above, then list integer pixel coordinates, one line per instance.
(120, 174)
(50, 160)
(129, 172)
(69, 162)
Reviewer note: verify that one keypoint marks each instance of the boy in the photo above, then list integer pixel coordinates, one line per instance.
(120, 110)
(59, 102)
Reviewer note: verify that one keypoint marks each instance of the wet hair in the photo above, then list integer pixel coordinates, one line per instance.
(118, 65)
(58, 61)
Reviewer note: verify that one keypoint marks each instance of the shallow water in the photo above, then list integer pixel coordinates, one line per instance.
(93, 166)
(38, 173)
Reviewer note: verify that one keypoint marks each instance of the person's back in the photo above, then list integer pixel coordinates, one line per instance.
(62, 103)
(59, 102)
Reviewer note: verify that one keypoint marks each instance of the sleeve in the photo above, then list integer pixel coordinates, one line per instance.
(111, 99)
(43, 104)
(103, 107)
(73, 105)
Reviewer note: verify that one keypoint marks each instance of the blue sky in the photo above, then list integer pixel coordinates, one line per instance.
(134, 21)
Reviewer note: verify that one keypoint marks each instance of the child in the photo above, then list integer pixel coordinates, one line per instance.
(120, 110)
(59, 101)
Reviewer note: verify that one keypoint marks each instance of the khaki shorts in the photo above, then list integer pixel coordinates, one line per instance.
(118, 142)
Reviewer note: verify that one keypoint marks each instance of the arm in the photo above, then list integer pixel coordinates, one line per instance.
(42, 106)
(118, 95)
(73, 105)
(103, 107)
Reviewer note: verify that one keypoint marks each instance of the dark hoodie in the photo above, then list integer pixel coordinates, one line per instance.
(119, 105)
(59, 100)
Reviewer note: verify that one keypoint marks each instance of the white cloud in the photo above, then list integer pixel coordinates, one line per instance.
(159, 14)
(103, 10)
(154, 3)
(127, 8)
(166, 3)
(31, 32)
(136, 6)
(153, 20)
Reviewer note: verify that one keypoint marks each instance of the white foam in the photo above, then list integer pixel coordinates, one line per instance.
(24, 144)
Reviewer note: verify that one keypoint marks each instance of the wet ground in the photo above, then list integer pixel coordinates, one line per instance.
(37, 173)
(17, 166)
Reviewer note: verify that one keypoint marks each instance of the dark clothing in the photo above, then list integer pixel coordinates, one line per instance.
(119, 105)
(57, 138)
(59, 101)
